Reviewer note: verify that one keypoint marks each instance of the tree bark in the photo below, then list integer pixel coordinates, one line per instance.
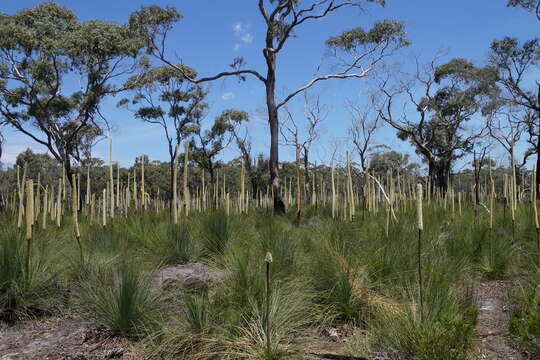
(273, 121)
(171, 198)
(538, 145)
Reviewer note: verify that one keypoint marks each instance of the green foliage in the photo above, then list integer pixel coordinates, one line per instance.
(444, 332)
(529, 5)
(196, 312)
(525, 316)
(46, 47)
(383, 32)
(19, 288)
(217, 232)
(149, 21)
(292, 312)
(323, 270)
(390, 161)
(120, 297)
(209, 143)
(333, 271)
(176, 244)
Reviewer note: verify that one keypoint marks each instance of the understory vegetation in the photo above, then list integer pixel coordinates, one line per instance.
(324, 273)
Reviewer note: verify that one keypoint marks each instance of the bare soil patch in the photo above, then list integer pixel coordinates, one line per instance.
(62, 338)
(492, 330)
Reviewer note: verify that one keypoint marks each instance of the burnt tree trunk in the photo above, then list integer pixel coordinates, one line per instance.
(273, 121)
(538, 144)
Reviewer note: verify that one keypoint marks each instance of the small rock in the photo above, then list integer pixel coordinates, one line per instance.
(116, 353)
(331, 333)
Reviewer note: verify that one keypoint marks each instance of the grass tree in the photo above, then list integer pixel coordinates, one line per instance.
(358, 50)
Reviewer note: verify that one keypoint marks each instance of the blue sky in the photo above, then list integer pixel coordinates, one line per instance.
(213, 32)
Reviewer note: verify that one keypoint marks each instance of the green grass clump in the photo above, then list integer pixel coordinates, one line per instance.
(443, 332)
(217, 232)
(525, 317)
(20, 289)
(120, 297)
(176, 244)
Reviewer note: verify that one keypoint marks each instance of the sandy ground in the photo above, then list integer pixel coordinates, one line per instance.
(493, 340)
(62, 338)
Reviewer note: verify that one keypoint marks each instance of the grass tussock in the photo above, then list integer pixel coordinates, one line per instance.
(22, 288)
(119, 296)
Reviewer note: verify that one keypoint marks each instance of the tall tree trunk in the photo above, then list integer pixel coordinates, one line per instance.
(538, 145)
(431, 175)
(273, 121)
(439, 172)
(254, 184)
(69, 171)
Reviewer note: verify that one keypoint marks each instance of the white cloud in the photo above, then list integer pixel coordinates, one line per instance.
(227, 96)
(238, 28)
(241, 31)
(247, 38)
(236, 47)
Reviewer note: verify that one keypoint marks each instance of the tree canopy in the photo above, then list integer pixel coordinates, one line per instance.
(55, 71)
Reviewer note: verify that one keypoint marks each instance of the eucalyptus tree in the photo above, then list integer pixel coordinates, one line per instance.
(518, 65)
(55, 71)
(385, 161)
(529, 5)
(358, 51)
(207, 144)
(39, 164)
(161, 96)
(450, 95)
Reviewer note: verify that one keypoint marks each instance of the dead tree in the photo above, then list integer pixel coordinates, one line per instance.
(364, 124)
